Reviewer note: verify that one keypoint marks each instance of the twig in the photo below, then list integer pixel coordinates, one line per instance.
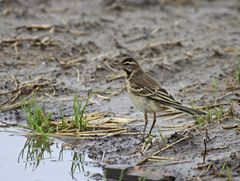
(163, 158)
(207, 136)
(205, 150)
(115, 77)
(103, 97)
(207, 165)
(137, 38)
(229, 126)
(159, 44)
(166, 164)
(205, 145)
(31, 87)
(116, 133)
(157, 152)
(52, 28)
(78, 75)
(46, 41)
(66, 63)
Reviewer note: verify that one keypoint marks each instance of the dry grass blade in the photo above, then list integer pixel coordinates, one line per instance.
(168, 44)
(35, 27)
(164, 148)
(18, 104)
(95, 125)
(159, 158)
(99, 126)
(109, 94)
(115, 76)
(66, 63)
(34, 41)
(230, 126)
(137, 38)
(116, 133)
(23, 91)
(52, 28)
(80, 125)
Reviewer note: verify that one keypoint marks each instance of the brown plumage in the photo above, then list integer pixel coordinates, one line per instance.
(147, 94)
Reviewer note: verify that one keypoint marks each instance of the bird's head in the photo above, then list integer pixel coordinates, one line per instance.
(130, 65)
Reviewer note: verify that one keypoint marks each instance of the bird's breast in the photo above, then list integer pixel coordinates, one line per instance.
(144, 104)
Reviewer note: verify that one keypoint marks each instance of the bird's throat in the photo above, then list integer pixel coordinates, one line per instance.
(128, 73)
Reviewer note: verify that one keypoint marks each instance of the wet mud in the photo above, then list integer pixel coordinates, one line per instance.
(73, 47)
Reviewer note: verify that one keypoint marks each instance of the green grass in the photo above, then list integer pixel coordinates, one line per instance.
(38, 148)
(201, 120)
(37, 119)
(35, 149)
(41, 122)
(142, 179)
(219, 113)
(226, 171)
(79, 118)
(213, 114)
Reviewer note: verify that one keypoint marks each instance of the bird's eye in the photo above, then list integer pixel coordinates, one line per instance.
(128, 65)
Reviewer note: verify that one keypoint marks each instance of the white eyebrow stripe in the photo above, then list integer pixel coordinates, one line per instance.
(129, 63)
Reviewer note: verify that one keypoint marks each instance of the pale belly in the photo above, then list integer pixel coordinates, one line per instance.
(145, 105)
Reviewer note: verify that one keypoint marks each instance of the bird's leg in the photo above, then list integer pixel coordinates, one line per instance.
(145, 125)
(154, 121)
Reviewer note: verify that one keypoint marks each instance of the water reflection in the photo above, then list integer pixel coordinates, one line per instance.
(38, 148)
(77, 163)
(35, 149)
(77, 160)
(43, 158)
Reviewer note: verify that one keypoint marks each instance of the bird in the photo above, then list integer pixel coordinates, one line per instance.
(148, 95)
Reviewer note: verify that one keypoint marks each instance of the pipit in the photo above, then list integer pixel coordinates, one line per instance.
(148, 95)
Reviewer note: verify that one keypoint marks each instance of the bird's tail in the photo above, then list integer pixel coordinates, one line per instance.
(188, 110)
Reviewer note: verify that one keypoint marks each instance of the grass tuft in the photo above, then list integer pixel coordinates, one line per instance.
(213, 114)
(77, 163)
(35, 149)
(226, 171)
(80, 124)
(79, 118)
(42, 123)
(37, 119)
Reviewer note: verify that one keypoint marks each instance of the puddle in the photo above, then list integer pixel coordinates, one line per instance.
(43, 159)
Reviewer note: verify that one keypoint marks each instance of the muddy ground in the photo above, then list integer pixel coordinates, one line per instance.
(191, 47)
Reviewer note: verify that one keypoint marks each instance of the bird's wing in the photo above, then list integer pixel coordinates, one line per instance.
(147, 86)
(158, 94)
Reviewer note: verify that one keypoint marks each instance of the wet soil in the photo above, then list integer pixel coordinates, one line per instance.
(191, 47)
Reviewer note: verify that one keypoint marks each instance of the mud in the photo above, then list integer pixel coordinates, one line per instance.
(191, 47)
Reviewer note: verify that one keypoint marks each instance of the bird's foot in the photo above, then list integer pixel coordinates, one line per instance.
(148, 142)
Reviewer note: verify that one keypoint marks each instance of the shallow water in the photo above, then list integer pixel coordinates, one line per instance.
(31, 159)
